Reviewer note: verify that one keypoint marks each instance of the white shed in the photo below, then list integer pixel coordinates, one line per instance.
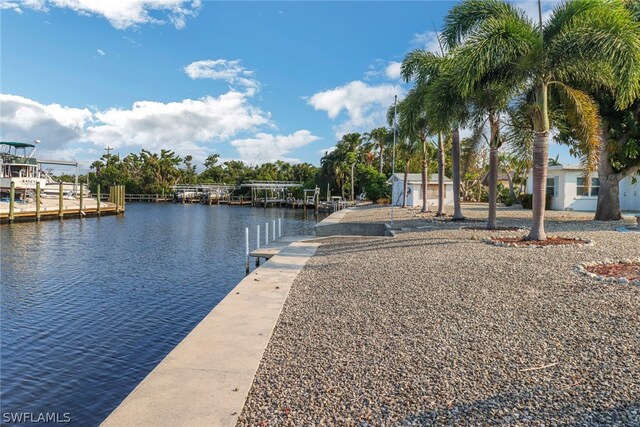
(568, 191)
(414, 191)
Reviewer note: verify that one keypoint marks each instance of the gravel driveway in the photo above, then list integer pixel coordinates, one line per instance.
(434, 328)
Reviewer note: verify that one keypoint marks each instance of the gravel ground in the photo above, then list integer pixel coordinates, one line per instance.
(434, 328)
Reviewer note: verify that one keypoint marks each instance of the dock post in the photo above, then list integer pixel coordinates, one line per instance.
(246, 245)
(274, 229)
(266, 233)
(81, 200)
(38, 201)
(279, 227)
(113, 190)
(98, 201)
(258, 245)
(61, 201)
(122, 196)
(12, 200)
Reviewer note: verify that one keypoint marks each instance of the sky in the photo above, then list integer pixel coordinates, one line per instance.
(255, 81)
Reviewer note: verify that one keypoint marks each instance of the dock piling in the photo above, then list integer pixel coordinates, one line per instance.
(246, 244)
(98, 200)
(12, 200)
(38, 201)
(266, 233)
(258, 237)
(279, 227)
(80, 204)
(61, 201)
(274, 229)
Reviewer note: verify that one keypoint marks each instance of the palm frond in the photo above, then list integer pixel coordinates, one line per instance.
(421, 66)
(497, 44)
(581, 113)
(517, 130)
(599, 32)
(465, 17)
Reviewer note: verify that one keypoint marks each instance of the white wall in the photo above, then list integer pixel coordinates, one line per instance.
(630, 194)
(415, 194)
(568, 199)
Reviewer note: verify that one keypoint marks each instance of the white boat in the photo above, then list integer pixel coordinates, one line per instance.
(18, 167)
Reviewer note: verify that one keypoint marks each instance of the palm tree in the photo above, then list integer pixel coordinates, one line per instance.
(590, 41)
(414, 125)
(445, 107)
(379, 136)
(440, 175)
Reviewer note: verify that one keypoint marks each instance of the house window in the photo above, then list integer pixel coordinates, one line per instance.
(582, 189)
(551, 186)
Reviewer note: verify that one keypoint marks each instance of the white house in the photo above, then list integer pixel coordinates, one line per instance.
(568, 192)
(414, 191)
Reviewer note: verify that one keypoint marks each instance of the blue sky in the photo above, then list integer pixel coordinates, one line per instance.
(257, 81)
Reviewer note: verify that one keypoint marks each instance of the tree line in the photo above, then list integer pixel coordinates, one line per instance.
(151, 173)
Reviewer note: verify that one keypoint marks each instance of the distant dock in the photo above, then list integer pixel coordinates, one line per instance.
(61, 207)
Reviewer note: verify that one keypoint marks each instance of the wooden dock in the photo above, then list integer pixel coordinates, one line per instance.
(60, 208)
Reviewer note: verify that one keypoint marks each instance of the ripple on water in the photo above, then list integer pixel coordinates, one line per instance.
(89, 307)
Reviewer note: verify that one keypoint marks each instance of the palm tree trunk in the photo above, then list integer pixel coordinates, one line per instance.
(492, 222)
(540, 159)
(608, 207)
(381, 157)
(540, 163)
(406, 183)
(512, 189)
(352, 189)
(455, 154)
(440, 175)
(425, 183)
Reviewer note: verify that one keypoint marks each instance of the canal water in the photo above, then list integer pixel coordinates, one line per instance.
(89, 307)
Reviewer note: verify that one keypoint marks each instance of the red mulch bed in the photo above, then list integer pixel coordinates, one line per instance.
(630, 271)
(551, 241)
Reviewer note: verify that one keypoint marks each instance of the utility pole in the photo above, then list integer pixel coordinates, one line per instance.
(393, 161)
(108, 150)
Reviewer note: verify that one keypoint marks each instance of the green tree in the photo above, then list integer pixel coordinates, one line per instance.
(584, 40)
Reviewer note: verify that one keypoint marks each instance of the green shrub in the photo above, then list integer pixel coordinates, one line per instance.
(526, 200)
(374, 183)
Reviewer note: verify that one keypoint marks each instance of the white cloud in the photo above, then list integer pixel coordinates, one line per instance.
(393, 70)
(121, 14)
(266, 147)
(157, 125)
(221, 69)
(427, 41)
(100, 52)
(186, 126)
(10, 5)
(365, 105)
(23, 119)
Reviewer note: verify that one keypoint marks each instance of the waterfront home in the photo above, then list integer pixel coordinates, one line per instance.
(414, 189)
(568, 191)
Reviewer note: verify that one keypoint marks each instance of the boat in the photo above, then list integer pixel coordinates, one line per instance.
(20, 168)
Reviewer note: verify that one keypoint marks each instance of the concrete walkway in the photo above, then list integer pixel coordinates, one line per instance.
(205, 380)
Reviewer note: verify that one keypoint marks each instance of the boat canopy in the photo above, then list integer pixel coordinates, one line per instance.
(17, 144)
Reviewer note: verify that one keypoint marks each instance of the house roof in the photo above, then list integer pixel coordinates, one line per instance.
(502, 176)
(416, 178)
(565, 167)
